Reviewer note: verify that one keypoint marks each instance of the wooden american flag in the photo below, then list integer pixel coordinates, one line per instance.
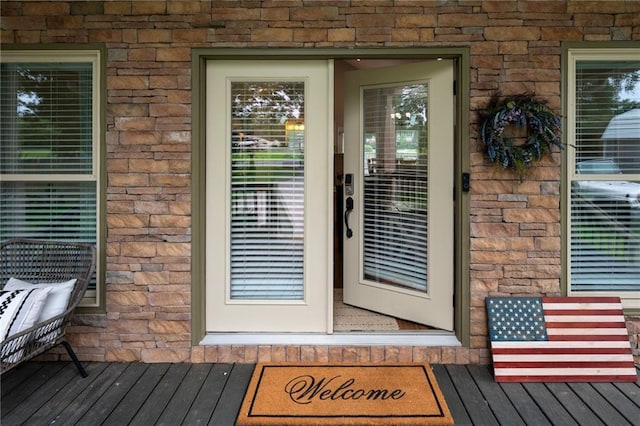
(559, 339)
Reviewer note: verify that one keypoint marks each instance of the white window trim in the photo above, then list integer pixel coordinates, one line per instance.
(630, 299)
(92, 298)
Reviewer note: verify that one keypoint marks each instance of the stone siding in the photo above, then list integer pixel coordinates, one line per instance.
(515, 226)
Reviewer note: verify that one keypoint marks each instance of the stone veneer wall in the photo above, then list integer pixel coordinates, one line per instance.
(515, 227)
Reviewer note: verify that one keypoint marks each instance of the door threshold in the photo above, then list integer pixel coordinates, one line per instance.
(438, 338)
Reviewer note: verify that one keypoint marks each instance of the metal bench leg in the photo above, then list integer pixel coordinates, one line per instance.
(74, 358)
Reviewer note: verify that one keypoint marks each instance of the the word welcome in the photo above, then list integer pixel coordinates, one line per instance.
(304, 389)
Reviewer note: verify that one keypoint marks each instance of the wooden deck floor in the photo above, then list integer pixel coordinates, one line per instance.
(192, 394)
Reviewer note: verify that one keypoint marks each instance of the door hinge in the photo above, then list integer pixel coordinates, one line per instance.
(455, 91)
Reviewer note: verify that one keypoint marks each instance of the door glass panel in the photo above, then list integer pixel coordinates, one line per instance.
(395, 185)
(267, 190)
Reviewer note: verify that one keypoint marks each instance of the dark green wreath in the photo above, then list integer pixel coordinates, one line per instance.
(542, 131)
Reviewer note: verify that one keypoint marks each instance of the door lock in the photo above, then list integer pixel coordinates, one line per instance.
(348, 184)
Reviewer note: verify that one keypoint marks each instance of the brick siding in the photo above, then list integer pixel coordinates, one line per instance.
(515, 227)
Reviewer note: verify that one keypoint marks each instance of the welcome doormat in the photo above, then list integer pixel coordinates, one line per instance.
(343, 394)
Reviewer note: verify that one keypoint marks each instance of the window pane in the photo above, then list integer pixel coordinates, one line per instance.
(267, 190)
(605, 236)
(605, 192)
(49, 210)
(607, 117)
(46, 118)
(395, 185)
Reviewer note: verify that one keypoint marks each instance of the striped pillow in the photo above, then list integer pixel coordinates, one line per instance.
(20, 309)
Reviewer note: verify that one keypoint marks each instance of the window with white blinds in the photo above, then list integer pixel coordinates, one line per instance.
(48, 155)
(267, 190)
(604, 176)
(395, 185)
(49, 210)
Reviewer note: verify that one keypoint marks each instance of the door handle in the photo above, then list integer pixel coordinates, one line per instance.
(347, 212)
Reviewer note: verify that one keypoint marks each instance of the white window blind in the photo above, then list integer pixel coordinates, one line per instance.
(267, 190)
(47, 118)
(49, 210)
(49, 150)
(605, 180)
(395, 185)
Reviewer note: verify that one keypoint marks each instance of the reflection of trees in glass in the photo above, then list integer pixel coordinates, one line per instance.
(603, 90)
(411, 106)
(34, 126)
(406, 139)
(272, 100)
(411, 113)
(27, 92)
(48, 115)
(261, 109)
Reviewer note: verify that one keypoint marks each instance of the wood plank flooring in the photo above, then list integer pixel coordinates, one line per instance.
(198, 394)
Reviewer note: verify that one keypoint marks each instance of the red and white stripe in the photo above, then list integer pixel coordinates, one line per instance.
(587, 341)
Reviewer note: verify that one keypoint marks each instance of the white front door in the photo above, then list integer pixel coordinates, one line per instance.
(268, 195)
(398, 144)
